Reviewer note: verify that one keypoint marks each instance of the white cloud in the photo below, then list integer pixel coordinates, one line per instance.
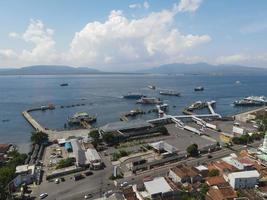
(136, 5)
(187, 5)
(7, 54)
(230, 59)
(118, 41)
(146, 5)
(13, 35)
(43, 50)
(258, 59)
(132, 41)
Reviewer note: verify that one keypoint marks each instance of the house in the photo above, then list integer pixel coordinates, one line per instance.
(78, 153)
(129, 194)
(93, 157)
(240, 163)
(216, 181)
(156, 186)
(25, 174)
(245, 179)
(4, 148)
(202, 170)
(223, 167)
(225, 193)
(184, 174)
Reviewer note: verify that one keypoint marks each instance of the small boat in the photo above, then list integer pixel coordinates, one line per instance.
(163, 107)
(170, 93)
(152, 87)
(133, 96)
(81, 117)
(199, 88)
(64, 84)
(237, 82)
(149, 100)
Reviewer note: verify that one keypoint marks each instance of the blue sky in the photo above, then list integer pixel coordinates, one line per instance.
(132, 34)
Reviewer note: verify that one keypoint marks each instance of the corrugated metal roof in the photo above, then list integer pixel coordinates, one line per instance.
(125, 125)
(92, 155)
(158, 185)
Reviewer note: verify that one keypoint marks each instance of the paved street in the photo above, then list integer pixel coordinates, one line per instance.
(98, 183)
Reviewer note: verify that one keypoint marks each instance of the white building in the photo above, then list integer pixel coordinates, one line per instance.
(239, 162)
(246, 179)
(93, 157)
(25, 174)
(156, 186)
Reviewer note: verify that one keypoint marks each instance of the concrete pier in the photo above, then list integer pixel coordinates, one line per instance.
(53, 134)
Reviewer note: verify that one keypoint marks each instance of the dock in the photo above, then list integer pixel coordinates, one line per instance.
(52, 134)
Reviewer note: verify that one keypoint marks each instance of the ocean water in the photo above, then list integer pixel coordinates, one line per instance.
(101, 95)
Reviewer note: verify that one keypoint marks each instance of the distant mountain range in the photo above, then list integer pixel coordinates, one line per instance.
(203, 68)
(49, 70)
(175, 68)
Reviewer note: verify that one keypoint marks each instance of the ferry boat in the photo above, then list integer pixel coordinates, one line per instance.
(133, 96)
(199, 88)
(81, 117)
(152, 87)
(64, 84)
(170, 93)
(149, 100)
(251, 101)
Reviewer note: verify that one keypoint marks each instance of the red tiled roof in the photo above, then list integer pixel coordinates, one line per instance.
(221, 193)
(215, 180)
(183, 171)
(4, 148)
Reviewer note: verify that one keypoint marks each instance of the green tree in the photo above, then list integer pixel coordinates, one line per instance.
(214, 172)
(65, 163)
(204, 188)
(109, 138)
(39, 137)
(94, 134)
(163, 130)
(192, 150)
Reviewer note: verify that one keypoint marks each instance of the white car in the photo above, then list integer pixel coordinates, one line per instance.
(88, 196)
(43, 195)
(57, 181)
(124, 184)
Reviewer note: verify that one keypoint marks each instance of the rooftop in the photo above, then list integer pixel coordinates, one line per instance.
(216, 193)
(157, 185)
(215, 180)
(25, 168)
(244, 174)
(134, 124)
(4, 148)
(182, 171)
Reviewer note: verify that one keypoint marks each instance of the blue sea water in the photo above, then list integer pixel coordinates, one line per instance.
(101, 95)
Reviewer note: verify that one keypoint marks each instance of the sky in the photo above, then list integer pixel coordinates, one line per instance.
(124, 35)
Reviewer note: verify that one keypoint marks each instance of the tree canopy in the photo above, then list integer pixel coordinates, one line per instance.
(192, 150)
(39, 137)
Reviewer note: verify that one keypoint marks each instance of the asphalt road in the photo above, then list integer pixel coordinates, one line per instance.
(98, 183)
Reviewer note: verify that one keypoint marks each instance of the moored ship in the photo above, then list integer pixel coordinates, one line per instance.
(149, 100)
(81, 117)
(251, 101)
(133, 96)
(169, 93)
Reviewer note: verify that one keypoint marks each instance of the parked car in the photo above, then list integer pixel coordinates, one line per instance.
(56, 181)
(124, 184)
(62, 179)
(78, 177)
(88, 196)
(43, 195)
(88, 173)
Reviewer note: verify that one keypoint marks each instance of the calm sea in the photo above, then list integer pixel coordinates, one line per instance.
(101, 95)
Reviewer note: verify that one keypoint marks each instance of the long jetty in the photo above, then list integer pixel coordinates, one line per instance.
(52, 134)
